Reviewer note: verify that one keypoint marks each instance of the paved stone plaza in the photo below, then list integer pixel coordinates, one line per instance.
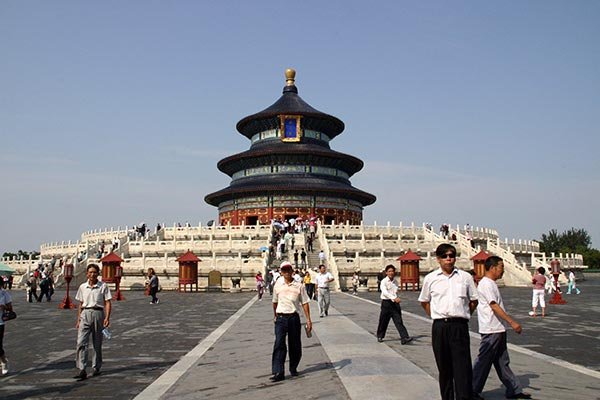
(218, 345)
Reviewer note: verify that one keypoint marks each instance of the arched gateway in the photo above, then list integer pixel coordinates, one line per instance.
(290, 170)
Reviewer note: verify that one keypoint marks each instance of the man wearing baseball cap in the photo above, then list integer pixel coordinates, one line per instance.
(287, 297)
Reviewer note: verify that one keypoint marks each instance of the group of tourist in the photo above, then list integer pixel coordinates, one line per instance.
(43, 278)
(448, 296)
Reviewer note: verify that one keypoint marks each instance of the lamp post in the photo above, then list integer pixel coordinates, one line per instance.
(67, 303)
(557, 298)
(118, 275)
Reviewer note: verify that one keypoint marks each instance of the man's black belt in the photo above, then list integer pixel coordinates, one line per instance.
(94, 308)
(324, 288)
(453, 319)
(286, 315)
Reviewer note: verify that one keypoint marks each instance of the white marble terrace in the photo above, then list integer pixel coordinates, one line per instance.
(235, 251)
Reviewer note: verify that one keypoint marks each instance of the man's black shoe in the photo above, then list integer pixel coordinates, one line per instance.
(294, 373)
(326, 313)
(407, 340)
(379, 339)
(277, 377)
(96, 372)
(519, 396)
(81, 375)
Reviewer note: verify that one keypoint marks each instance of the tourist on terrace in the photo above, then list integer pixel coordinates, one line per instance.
(390, 307)
(303, 259)
(308, 283)
(321, 257)
(539, 282)
(288, 297)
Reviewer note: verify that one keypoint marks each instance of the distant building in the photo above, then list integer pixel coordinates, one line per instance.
(290, 170)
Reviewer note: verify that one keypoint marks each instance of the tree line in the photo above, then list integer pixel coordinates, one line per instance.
(571, 241)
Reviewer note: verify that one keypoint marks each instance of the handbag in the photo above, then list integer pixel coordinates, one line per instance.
(8, 315)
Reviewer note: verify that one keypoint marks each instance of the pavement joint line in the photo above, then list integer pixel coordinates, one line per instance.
(164, 382)
(540, 356)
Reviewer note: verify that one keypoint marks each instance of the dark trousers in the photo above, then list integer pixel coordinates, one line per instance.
(310, 290)
(286, 326)
(450, 341)
(1, 340)
(390, 309)
(153, 291)
(493, 351)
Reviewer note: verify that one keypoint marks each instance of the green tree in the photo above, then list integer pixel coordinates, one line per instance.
(571, 241)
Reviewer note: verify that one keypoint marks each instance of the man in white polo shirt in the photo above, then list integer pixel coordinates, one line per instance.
(493, 349)
(287, 297)
(449, 296)
(93, 316)
(323, 280)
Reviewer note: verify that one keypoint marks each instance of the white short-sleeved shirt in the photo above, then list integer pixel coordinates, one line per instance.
(4, 299)
(448, 295)
(488, 321)
(323, 280)
(389, 289)
(289, 296)
(93, 296)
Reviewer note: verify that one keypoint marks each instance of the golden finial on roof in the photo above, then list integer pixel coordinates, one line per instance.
(290, 75)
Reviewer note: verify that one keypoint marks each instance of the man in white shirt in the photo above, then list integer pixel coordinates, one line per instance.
(449, 297)
(390, 307)
(321, 257)
(93, 315)
(323, 279)
(493, 349)
(287, 297)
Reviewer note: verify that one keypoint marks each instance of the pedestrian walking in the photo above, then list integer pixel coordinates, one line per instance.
(260, 285)
(93, 315)
(321, 257)
(153, 285)
(390, 307)
(449, 297)
(539, 283)
(288, 297)
(5, 305)
(355, 283)
(323, 280)
(493, 349)
(572, 284)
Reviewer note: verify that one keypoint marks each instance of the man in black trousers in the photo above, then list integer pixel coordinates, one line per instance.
(449, 297)
(390, 307)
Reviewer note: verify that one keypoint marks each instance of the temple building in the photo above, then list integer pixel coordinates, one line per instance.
(290, 170)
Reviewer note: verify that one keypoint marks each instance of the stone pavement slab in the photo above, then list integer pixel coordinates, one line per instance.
(541, 375)
(238, 365)
(147, 340)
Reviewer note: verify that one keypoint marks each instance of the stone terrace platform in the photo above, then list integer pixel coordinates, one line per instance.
(218, 346)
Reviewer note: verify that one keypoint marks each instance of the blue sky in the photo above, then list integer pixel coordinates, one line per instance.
(464, 112)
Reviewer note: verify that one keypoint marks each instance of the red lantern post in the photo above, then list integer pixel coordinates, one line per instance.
(118, 275)
(479, 265)
(67, 304)
(409, 270)
(557, 298)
